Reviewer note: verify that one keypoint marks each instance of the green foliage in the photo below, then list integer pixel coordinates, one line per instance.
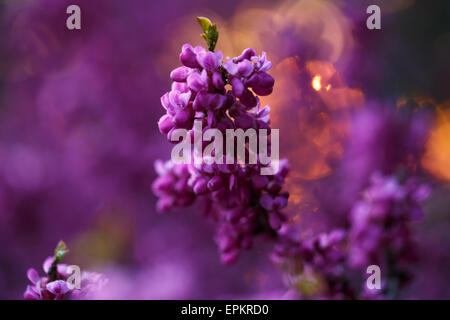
(211, 35)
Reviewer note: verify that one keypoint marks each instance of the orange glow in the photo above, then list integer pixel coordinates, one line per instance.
(322, 133)
(437, 156)
(324, 69)
(316, 83)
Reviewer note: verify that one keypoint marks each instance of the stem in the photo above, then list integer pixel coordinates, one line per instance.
(60, 251)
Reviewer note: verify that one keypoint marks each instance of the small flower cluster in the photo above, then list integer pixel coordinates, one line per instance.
(315, 266)
(172, 186)
(222, 95)
(239, 200)
(380, 222)
(54, 286)
(378, 234)
(199, 91)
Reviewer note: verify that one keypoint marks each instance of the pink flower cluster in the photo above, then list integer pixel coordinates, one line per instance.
(378, 233)
(199, 91)
(222, 95)
(54, 285)
(381, 221)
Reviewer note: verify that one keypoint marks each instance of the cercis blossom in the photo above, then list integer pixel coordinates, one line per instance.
(380, 229)
(222, 94)
(54, 286)
(378, 233)
(199, 91)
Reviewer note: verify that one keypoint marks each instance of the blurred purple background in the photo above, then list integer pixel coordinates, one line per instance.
(78, 133)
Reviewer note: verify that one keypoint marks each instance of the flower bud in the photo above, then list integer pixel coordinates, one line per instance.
(246, 54)
(180, 74)
(165, 124)
(198, 81)
(279, 202)
(274, 221)
(209, 61)
(188, 56)
(184, 119)
(245, 68)
(200, 186)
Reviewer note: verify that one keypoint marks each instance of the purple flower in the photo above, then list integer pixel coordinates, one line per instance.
(199, 86)
(210, 61)
(54, 285)
(165, 124)
(58, 288)
(188, 56)
(172, 186)
(198, 81)
(262, 64)
(180, 74)
(380, 222)
(247, 54)
(209, 101)
(319, 259)
(240, 201)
